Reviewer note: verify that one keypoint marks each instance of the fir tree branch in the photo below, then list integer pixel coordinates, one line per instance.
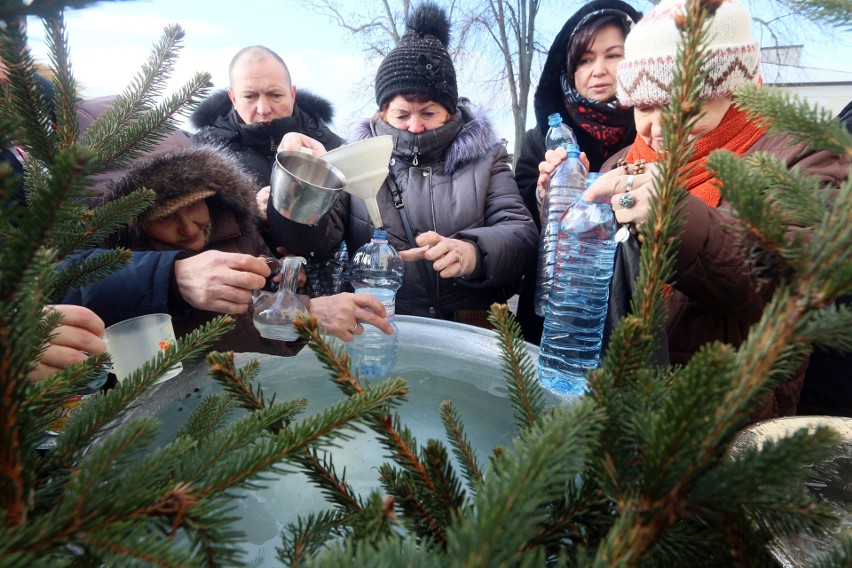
(322, 473)
(35, 132)
(462, 448)
(525, 392)
(786, 113)
(551, 454)
(78, 273)
(308, 535)
(835, 13)
(92, 226)
(64, 84)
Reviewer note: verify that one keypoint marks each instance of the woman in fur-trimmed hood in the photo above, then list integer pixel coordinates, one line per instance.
(205, 201)
(450, 193)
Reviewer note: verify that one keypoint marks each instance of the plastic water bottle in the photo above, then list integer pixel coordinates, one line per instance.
(376, 270)
(577, 307)
(559, 133)
(377, 264)
(372, 353)
(566, 185)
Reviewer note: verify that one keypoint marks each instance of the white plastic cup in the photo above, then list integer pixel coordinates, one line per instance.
(133, 342)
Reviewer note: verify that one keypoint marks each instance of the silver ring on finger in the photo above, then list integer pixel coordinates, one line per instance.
(626, 200)
(629, 186)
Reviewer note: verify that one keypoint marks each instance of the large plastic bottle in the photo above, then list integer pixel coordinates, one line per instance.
(566, 185)
(577, 308)
(377, 269)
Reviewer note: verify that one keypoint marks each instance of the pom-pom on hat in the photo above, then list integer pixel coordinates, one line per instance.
(645, 74)
(420, 63)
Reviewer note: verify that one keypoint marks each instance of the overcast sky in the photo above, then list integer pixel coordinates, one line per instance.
(110, 41)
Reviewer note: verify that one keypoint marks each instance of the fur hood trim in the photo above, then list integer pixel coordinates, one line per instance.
(476, 139)
(181, 173)
(219, 104)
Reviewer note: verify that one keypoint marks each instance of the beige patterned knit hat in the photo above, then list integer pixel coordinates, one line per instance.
(645, 73)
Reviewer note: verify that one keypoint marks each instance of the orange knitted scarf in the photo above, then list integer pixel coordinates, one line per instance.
(735, 133)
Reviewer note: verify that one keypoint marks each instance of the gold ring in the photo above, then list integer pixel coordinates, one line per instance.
(353, 328)
(458, 257)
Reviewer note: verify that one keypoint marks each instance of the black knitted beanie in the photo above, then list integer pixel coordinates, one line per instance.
(420, 63)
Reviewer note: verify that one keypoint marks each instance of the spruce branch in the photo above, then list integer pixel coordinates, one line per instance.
(548, 457)
(525, 392)
(322, 473)
(462, 448)
(90, 227)
(64, 84)
(394, 437)
(786, 113)
(308, 535)
(835, 13)
(211, 414)
(34, 130)
(82, 272)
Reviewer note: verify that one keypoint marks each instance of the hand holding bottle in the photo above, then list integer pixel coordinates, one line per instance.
(343, 315)
(552, 160)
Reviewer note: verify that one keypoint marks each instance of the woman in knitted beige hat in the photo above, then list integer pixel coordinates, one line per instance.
(205, 200)
(715, 295)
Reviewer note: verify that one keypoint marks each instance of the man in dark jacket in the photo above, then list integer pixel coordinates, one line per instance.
(251, 117)
(258, 109)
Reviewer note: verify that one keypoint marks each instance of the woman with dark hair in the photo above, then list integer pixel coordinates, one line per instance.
(450, 195)
(578, 82)
(716, 293)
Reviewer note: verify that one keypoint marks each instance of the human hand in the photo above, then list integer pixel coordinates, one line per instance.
(262, 198)
(341, 315)
(615, 184)
(219, 281)
(295, 141)
(451, 258)
(79, 335)
(552, 160)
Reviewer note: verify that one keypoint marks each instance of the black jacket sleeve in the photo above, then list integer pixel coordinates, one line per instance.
(526, 171)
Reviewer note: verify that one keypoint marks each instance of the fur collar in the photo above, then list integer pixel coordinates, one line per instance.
(218, 104)
(175, 174)
(476, 139)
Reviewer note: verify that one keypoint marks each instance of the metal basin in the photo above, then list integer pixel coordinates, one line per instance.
(439, 360)
(304, 187)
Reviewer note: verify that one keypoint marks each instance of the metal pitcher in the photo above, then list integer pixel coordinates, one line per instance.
(304, 187)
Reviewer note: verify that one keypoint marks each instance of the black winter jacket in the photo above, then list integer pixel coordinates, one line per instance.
(255, 144)
(468, 194)
(549, 99)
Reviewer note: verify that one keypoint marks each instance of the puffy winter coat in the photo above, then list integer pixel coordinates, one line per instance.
(233, 212)
(715, 295)
(256, 145)
(219, 124)
(468, 193)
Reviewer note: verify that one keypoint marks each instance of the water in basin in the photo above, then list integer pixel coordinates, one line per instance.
(439, 360)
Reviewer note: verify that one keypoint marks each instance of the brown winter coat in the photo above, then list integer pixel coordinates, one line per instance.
(715, 296)
(233, 213)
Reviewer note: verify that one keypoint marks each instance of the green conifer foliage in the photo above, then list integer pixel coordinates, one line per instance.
(636, 474)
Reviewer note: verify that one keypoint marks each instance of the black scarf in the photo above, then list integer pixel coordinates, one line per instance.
(425, 148)
(607, 123)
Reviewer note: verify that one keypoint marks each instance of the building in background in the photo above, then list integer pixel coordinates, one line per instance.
(781, 67)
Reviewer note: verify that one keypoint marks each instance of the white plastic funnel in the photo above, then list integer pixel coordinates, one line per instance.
(365, 166)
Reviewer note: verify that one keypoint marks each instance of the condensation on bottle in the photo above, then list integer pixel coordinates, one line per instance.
(566, 185)
(576, 311)
(377, 270)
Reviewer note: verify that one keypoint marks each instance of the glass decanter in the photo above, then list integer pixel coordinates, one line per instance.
(275, 312)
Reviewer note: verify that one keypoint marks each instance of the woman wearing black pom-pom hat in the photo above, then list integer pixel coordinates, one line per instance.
(450, 181)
